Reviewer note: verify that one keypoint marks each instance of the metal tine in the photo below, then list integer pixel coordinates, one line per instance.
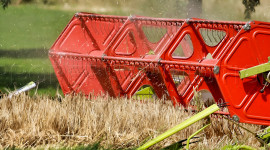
(222, 127)
(214, 37)
(223, 34)
(169, 30)
(153, 34)
(124, 73)
(133, 73)
(101, 26)
(92, 24)
(157, 31)
(122, 70)
(105, 26)
(86, 62)
(235, 128)
(203, 34)
(239, 130)
(220, 36)
(229, 127)
(127, 73)
(165, 32)
(108, 69)
(64, 61)
(172, 33)
(185, 77)
(67, 68)
(174, 28)
(116, 24)
(149, 32)
(76, 66)
(116, 68)
(173, 75)
(81, 66)
(72, 67)
(209, 36)
(161, 32)
(146, 31)
(89, 65)
(98, 26)
(96, 66)
(95, 26)
(217, 35)
(97, 23)
(181, 79)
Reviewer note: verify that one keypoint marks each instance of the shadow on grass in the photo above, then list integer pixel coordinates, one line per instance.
(11, 80)
(25, 53)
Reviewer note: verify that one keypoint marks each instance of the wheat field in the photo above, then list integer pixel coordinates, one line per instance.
(41, 121)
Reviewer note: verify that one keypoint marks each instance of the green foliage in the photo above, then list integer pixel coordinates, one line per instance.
(5, 3)
(238, 147)
(250, 7)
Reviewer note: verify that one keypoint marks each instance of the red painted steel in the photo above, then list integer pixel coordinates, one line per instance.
(97, 54)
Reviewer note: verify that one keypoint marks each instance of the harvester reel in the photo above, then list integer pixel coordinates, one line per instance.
(119, 55)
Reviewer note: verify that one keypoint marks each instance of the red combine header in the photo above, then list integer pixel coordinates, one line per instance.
(118, 55)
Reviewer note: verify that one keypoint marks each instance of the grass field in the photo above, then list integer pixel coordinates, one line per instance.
(27, 32)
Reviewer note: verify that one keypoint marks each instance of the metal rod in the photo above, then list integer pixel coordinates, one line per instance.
(181, 126)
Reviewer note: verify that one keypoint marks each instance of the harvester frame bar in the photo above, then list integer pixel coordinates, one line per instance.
(119, 55)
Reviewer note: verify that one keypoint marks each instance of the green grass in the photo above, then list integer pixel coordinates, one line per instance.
(27, 33)
(30, 27)
(26, 65)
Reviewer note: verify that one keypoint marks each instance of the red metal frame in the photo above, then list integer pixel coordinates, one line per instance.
(110, 54)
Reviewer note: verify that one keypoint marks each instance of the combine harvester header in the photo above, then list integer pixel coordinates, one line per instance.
(119, 55)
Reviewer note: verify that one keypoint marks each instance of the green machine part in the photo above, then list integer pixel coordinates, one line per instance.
(255, 70)
(145, 93)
